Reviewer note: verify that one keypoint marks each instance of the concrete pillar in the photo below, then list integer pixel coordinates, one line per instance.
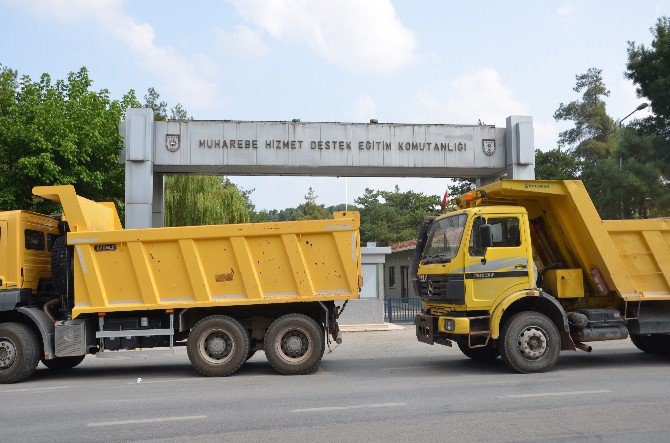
(138, 142)
(520, 147)
(158, 203)
(483, 181)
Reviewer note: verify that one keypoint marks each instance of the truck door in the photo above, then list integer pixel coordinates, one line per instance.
(501, 268)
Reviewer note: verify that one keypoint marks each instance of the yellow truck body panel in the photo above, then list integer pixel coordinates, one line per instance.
(633, 256)
(119, 269)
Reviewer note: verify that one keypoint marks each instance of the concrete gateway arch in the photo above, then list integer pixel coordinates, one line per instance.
(155, 148)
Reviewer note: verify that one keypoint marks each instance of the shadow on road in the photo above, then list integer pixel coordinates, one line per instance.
(451, 364)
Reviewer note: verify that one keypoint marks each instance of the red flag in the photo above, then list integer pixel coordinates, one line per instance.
(444, 199)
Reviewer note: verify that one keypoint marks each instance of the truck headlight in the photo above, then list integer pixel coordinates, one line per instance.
(449, 325)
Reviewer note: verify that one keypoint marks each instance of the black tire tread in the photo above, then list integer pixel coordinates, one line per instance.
(488, 352)
(504, 351)
(27, 353)
(63, 363)
(655, 344)
(276, 362)
(199, 363)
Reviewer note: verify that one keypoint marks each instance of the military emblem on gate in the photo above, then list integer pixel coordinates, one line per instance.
(489, 146)
(172, 142)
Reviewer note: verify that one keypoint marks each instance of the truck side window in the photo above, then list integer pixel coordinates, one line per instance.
(34, 240)
(505, 231)
(476, 248)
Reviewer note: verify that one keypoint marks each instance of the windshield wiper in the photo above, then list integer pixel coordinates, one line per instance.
(437, 258)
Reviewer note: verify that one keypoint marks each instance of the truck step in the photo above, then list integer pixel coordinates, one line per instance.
(134, 333)
(132, 354)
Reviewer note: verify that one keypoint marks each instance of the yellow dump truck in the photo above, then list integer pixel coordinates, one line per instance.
(80, 284)
(525, 269)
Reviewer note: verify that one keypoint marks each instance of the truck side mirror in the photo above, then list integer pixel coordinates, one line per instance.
(486, 236)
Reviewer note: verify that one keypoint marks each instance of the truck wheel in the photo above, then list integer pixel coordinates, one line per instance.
(63, 363)
(488, 352)
(294, 344)
(217, 346)
(657, 344)
(19, 352)
(529, 343)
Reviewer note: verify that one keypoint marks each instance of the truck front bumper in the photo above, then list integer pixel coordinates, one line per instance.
(426, 328)
(433, 329)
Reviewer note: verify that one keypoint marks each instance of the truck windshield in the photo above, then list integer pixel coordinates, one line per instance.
(444, 238)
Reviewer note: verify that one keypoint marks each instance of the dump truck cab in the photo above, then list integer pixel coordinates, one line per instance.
(26, 239)
(524, 269)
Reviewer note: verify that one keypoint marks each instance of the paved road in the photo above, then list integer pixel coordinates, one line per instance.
(377, 385)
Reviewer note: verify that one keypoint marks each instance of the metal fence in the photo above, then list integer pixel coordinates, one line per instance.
(401, 310)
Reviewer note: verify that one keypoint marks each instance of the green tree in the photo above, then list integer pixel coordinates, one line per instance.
(203, 200)
(649, 69)
(555, 164)
(58, 132)
(592, 137)
(638, 170)
(310, 210)
(389, 217)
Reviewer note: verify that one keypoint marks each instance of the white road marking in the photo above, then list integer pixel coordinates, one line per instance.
(146, 420)
(34, 389)
(554, 394)
(342, 408)
(169, 380)
(404, 367)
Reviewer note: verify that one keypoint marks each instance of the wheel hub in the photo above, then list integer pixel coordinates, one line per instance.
(7, 353)
(532, 342)
(218, 346)
(294, 344)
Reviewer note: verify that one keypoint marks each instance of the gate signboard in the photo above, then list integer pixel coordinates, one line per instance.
(153, 149)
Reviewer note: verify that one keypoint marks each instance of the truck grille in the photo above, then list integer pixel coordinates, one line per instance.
(449, 288)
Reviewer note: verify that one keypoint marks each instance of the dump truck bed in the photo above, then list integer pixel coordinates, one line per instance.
(119, 269)
(633, 256)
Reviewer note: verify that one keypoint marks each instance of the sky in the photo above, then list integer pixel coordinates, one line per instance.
(406, 61)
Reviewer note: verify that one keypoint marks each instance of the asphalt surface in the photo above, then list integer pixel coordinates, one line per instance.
(382, 386)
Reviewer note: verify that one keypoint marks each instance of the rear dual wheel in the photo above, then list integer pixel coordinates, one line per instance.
(217, 346)
(63, 363)
(294, 344)
(657, 344)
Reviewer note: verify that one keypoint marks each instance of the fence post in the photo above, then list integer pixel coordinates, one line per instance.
(390, 309)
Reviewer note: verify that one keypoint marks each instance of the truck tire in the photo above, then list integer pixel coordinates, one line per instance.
(488, 352)
(529, 342)
(294, 344)
(657, 344)
(217, 346)
(63, 363)
(59, 268)
(19, 352)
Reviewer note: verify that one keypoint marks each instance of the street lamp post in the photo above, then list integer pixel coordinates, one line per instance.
(640, 107)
